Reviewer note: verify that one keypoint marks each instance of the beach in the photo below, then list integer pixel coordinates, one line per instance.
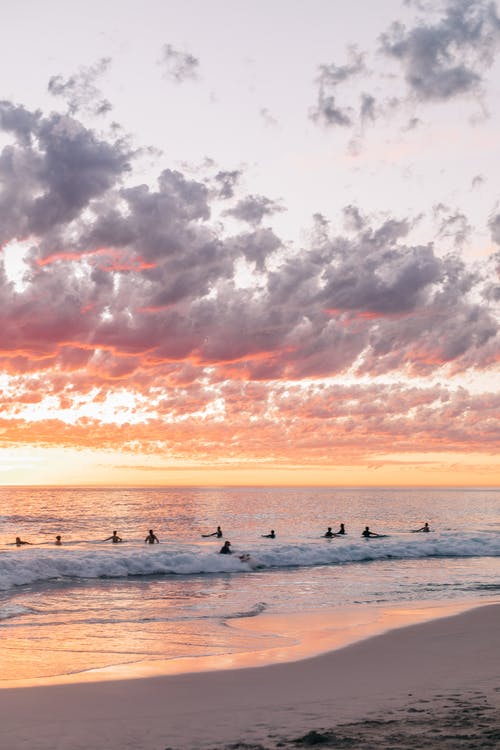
(433, 684)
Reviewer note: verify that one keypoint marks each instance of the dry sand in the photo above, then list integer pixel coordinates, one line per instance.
(432, 685)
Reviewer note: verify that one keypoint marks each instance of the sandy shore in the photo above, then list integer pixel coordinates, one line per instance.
(431, 685)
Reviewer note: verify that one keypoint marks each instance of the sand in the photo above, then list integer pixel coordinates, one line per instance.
(431, 685)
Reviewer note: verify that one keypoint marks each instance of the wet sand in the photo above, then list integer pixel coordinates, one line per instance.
(431, 685)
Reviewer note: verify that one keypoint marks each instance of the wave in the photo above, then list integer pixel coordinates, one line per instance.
(32, 565)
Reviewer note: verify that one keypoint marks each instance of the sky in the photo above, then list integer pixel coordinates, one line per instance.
(249, 243)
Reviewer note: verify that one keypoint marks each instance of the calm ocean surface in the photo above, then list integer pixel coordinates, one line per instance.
(92, 604)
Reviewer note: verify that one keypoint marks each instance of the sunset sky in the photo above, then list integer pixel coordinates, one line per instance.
(249, 242)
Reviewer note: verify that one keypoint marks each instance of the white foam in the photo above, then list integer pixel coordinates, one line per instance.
(36, 565)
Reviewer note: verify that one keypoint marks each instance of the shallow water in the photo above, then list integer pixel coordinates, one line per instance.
(91, 604)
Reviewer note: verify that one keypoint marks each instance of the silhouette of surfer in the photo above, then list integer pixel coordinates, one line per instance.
(424, 528)
(329, 533)
(367, 533)
(226, 549)
(19, 542)
(271, 535)
(58, 541)
(114, 538)
(341, 530)
(218, 533)
(151, 537)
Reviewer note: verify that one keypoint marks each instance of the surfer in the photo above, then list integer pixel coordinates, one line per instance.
(367, 533)
(341, 530)
(425, 527)
(58, 541)
(151, 537)
(20, 542)
(271, 535)
(226, 549)
(218, 533)
(329, 533)
(114, 538)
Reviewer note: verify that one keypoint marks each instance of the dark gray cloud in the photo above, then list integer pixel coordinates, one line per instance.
(179, 66)
(447, 58)
(226, 181)
(128, 281)
(253, 209)
(80, 90)
(52, 171)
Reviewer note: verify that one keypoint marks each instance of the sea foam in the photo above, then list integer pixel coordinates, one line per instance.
(20, 567)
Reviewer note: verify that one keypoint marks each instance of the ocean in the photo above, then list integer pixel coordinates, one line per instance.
(91, 605)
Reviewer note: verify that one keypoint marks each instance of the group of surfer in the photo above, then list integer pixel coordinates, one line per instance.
(150, 539)
(226, 548)
(329, 534)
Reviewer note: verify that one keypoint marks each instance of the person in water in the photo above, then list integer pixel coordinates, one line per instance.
(226, 549)
(151, 537)
(367, 533)
(58, 541)
(114, 538)
(19, 542)
(218, 533)
(341, 531)
(271, 535)
(329, 533)
(425, 527)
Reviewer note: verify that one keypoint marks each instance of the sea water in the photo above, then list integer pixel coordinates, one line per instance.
(90, 604)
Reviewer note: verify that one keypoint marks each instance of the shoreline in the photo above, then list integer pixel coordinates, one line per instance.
(287, 638)
(421, 668)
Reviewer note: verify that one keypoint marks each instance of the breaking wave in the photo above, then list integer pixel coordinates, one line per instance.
(32, 565)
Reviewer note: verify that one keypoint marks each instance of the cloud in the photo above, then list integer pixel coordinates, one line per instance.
(179, 67)
(452, 224)
(494, 225)
(268, 118)
(52, 171)
(137, 285)
(80, 90)
(447, 58)
(226, 181)
(326, 109)
(253, 209)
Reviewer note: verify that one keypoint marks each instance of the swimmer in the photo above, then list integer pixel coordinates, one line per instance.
(341, 530)
(329, 533)
(58, 541)
(151, 538)
(114, 538)
(271, 535)
(367, 533)
(225, 549)
(20, 542)
(218, 533)
(425, 527)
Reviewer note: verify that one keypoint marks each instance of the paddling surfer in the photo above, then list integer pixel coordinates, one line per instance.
(114, 538)
(218, 533)
(367, 533)
(424, 528)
